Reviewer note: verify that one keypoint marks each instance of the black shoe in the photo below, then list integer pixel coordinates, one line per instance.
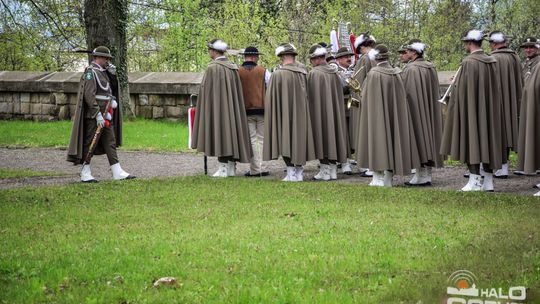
(131, 177)
(418, 185)
(519, 173)
(264, 173)
(363, 174)
(536, 187)
(90, 181)
(348, 173)
(500, 176)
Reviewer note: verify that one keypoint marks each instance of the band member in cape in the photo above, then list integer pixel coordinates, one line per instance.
(472, 131)
(362, 44)
(529, 122)
(422, 87)
(509, 68)
(221, 127)
(254, 80)
(402, 51)
(97, 125)
(330, 58)
(288, 131)
(532, 55)
(386, 142)
(327, 113)
(344, 61)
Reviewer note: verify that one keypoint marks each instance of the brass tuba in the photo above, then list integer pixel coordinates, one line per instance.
(353, 83)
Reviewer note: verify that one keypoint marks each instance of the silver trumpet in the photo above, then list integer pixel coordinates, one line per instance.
(449, 90)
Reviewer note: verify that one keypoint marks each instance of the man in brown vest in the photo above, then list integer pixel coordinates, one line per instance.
(254, 80)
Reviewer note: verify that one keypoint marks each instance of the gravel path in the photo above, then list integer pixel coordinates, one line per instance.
(157, 164)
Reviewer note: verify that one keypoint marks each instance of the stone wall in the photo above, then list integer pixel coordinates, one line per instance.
(47, 96)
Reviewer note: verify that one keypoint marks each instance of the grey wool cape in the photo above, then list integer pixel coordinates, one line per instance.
(386, 139)
(529, 123)
(78, 132)
(327, 113)
(422, 87)
(361, 70)
(472, 131)
(288, 131)
(221, 127)
(509, 68)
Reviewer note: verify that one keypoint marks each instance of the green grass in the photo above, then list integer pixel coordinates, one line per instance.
(13, 173)
(140, 134)
(252, 241)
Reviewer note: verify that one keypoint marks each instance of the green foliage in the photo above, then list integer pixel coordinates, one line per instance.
(256, 241)
(140, 134)
(171, 35)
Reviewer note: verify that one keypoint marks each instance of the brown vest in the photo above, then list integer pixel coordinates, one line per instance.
(253, 86)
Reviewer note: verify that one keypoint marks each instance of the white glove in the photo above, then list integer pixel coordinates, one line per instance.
(99, 119)
(111, 68)
(114, 104)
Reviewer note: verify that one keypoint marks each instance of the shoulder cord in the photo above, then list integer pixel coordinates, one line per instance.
(105, 88)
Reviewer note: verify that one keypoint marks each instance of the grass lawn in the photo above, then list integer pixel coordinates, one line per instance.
(140, 134)
(250, 241)
(13, 173)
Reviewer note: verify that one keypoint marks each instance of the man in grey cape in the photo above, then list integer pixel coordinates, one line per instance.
(529, 123)
(386, 141)
(422, 87)
(327, 113)
(288, 132)
(509, 68)
(363, 44)
(472, 131)
(221, 127)
(98, 105)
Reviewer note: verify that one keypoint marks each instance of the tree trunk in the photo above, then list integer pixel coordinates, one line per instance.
(105, 22)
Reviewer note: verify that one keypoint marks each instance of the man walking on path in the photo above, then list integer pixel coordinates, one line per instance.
(97, 125)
